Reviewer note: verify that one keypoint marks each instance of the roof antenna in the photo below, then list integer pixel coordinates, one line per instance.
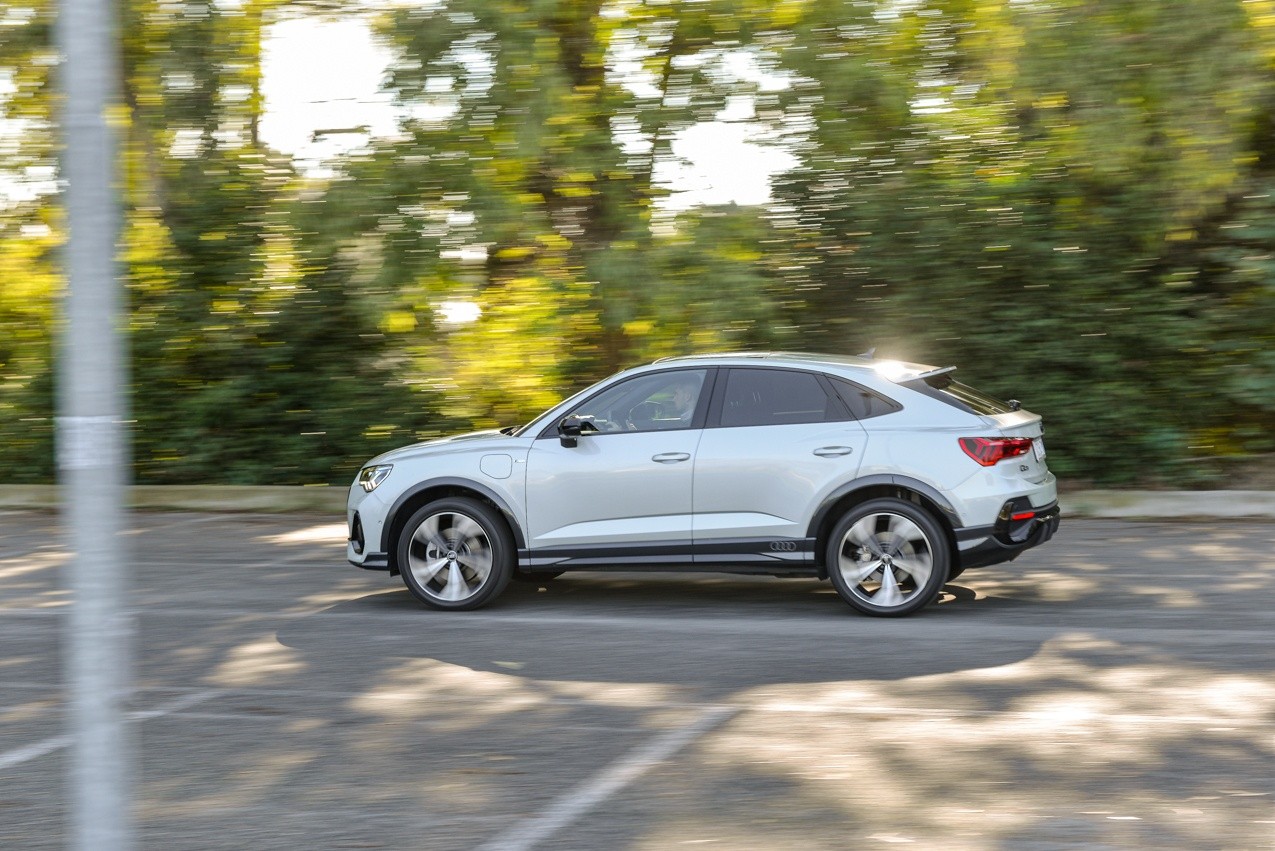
(870, 353)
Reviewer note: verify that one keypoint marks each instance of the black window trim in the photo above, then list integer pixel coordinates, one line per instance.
(893, 404)
(719, 396)
(697, 422)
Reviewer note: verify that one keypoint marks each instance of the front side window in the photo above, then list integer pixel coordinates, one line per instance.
(756, 397)
(659, 402)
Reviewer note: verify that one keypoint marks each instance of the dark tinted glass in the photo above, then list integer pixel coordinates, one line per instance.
(775, 397)
(862, 402)
(660, 401)
(947, 389)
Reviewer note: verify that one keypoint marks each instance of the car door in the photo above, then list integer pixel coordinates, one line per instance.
(779, 441)
(622, 494)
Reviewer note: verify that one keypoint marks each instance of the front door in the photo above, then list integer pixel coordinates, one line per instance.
(622, 495)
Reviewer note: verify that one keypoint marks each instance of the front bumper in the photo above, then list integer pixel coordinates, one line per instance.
(1011, 536)
(365, 518)
(370, 561)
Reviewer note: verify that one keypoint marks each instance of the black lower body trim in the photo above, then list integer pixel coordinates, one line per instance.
(773, 552)
(374, 561)
(1007, 540)
(653, 554)
(760, 555)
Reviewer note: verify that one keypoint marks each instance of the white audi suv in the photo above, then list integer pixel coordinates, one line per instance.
(886, 478)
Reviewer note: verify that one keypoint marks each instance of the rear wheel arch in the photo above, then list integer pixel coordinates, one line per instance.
(888, 557)
(859, 492)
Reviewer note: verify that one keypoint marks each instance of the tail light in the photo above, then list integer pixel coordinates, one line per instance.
(989, 450)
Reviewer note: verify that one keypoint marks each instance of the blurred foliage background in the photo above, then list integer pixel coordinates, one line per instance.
(1072, 200)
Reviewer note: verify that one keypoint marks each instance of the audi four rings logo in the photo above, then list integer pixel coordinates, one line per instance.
(784, 546)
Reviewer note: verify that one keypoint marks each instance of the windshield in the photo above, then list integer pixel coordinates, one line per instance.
(522, 430)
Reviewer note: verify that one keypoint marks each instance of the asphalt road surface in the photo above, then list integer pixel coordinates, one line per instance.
(1113, 689)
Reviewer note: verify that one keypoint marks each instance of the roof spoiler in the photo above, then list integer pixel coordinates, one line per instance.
(902, 373)
(905, 374)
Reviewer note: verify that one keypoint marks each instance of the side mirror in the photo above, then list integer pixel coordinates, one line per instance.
(571, 428)
(569, 431)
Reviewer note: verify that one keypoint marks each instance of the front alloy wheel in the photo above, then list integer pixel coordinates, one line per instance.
(887, 557)
(455, 554)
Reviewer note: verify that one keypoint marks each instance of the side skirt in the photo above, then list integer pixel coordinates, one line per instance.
(766, 556)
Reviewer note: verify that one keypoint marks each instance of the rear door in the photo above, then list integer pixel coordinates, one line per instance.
(779, 441)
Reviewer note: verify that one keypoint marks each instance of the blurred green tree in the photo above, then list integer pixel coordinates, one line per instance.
(525, 182)
(251, 360)
(1017, 188)
(1071, 200)
(30, 232)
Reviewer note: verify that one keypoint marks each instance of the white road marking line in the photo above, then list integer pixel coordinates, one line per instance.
(34, 549)
(177, 704)
(606, 783)
(33, 751)
(57, 743)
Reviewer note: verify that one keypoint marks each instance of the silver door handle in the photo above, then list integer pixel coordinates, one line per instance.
(671, 457)
(833, 451)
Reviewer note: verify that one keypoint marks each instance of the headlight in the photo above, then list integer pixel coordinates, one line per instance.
(370, 477)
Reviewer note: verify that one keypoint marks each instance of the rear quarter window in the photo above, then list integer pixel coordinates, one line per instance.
(862, 402)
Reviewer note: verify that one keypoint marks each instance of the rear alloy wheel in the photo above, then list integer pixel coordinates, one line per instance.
(455, 553)
(887, 557)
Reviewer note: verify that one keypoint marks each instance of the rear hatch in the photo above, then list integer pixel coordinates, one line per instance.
(1003, 419)
(1033, 465)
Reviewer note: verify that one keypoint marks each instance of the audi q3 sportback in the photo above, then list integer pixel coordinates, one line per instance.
(885, 478)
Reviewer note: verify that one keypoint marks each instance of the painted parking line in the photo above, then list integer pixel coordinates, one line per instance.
(606, 783)
(33, 548)
(17, 756)
(33, 751)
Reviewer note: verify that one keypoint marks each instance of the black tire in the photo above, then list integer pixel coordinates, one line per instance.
(888, 558)
(455, 553)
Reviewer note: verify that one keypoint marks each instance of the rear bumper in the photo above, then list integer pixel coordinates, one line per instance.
(1008, 538)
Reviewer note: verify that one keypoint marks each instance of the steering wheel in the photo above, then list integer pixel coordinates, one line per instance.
(642, 415)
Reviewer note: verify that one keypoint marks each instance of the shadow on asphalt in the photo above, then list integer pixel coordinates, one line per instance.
(664, 629)
(1137, 585)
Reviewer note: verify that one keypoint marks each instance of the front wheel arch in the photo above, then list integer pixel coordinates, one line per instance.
(426, 492)
(455, 553)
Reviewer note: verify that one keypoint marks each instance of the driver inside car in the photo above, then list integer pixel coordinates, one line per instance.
(677, 412)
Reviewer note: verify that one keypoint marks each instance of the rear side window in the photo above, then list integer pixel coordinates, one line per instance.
(862, 402)
(756, 397)
(947, 389)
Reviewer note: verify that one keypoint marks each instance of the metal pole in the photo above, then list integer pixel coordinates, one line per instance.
(91, 440)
